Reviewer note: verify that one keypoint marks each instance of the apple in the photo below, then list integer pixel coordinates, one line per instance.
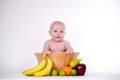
(81, 69)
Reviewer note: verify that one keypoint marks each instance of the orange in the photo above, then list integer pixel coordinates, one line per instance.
(67, 69)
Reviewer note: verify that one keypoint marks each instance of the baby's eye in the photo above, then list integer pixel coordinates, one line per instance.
(61, 31)
(55, 31)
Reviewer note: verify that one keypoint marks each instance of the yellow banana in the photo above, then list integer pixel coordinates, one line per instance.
(40, 66)
(46, 71)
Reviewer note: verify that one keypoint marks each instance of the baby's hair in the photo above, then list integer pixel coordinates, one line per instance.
(57, 22)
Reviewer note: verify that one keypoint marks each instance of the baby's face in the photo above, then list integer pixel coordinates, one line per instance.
(57, 32)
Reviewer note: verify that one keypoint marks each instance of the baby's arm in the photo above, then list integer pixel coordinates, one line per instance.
(69, 49)
(46, 48)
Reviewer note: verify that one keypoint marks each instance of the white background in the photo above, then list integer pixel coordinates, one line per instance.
(93, 29)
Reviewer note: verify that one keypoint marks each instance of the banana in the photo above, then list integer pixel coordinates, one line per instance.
(46, 71)
(40, 66)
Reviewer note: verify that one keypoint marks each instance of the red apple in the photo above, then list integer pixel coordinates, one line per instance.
(81, 69)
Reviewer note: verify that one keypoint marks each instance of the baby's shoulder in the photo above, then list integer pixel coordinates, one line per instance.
(47, 41)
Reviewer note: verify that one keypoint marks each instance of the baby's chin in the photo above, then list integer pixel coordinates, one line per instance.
(58, 40)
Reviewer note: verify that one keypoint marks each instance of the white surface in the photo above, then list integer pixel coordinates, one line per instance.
(91, 76)
(93, 29)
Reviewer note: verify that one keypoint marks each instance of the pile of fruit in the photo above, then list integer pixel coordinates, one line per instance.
(75, 68)
(44, 68)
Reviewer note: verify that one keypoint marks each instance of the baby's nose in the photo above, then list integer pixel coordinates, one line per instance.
(59, 33)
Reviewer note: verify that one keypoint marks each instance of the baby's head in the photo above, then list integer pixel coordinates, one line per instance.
(57, 31)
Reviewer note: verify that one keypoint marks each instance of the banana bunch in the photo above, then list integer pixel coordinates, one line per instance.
(42, 69)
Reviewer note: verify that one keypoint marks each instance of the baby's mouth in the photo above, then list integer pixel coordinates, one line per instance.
(58, 37)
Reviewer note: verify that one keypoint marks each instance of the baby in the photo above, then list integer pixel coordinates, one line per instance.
(56, 43)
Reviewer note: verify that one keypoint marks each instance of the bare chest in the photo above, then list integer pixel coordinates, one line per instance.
(57, 47)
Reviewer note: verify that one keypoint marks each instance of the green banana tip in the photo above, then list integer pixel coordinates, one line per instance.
(46, 56)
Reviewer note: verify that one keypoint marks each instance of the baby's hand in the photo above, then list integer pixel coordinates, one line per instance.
(69, 51)
(48, 52)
